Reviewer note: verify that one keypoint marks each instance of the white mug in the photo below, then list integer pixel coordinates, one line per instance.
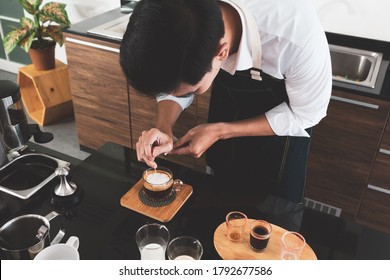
(62, 251)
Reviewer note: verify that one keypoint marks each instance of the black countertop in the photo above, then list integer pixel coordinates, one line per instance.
(107, 230)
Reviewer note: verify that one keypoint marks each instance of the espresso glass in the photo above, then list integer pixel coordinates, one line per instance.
(260, 233)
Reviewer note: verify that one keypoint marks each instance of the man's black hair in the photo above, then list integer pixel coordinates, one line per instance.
(168, 42)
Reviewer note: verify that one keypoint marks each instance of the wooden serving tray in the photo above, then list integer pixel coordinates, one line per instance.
(164, 213)
(229, 250)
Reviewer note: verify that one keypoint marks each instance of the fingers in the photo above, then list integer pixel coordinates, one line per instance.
(162, 149)
(151, 144)
(195, 142)
(187, 149)
(141, 149)
(181, 151)
(187, 146)
(183, 141)
(151, 163)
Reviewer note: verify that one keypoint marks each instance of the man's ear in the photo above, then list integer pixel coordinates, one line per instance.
(223, 51)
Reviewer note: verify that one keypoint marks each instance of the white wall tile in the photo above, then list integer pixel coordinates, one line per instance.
(360, 18)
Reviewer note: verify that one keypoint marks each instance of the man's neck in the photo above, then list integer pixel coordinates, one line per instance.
(233, 26)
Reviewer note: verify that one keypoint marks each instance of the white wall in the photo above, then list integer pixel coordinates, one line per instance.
(79, 10)
(360, 18)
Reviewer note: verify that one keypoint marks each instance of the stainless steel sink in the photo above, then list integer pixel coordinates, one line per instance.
(355, 66)
(26, 174)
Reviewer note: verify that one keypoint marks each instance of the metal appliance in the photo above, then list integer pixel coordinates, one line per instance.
(15, 131)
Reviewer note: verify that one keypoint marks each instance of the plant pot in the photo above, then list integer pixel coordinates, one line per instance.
(43, 58)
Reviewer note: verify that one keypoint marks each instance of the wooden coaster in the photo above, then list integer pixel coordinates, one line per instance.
(163, 214)
(229, 250)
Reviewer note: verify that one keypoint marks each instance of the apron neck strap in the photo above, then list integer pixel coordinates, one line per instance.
(254, 38)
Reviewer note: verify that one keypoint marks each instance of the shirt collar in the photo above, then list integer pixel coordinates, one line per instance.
(242, 60)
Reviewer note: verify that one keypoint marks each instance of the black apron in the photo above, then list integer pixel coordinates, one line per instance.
(255, 167)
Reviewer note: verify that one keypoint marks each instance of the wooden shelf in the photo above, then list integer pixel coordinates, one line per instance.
(46, 94)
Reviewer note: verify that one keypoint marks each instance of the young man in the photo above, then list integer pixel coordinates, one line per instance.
(269, 66)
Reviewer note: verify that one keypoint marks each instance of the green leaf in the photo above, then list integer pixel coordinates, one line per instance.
(13, 38)
(31, 29)
(26, 23)
(56, 12)
(26, 42)
(35, 3)
(31, 6)
(54, 32)
(44, 18)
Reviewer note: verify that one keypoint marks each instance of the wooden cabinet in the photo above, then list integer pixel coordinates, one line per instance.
(343, 150)
(385, 144)
(106, 109)
(99, 92)
(374, 210)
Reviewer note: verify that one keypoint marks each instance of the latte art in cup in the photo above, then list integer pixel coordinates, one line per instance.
(158, 182)
(157, 178)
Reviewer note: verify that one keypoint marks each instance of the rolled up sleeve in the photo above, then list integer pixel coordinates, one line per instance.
(184, 101)
(308, 85)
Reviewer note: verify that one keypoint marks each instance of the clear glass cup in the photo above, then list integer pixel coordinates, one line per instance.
(159, 183)
(152, 240)
(184, 248)
(235, 225)
(292, 245)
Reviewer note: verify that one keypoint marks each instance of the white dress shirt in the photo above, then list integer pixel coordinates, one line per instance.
(294, 48)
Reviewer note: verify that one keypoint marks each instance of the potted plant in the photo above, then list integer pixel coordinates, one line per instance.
(39, 35)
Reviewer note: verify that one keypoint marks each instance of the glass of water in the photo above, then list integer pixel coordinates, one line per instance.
(185, 248)
(152, 240)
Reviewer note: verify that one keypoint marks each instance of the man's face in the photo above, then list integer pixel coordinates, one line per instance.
(203, 85)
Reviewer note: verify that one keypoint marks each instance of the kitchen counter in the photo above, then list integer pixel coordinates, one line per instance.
(81, 28)
(107, 230)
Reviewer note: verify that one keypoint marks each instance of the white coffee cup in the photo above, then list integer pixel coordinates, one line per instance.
(62, 251)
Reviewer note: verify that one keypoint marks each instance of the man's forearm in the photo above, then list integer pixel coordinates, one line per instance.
(168, 112)
(257, 126)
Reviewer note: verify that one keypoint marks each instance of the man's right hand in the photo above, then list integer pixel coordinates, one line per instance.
(159, 140)
(151, 144)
